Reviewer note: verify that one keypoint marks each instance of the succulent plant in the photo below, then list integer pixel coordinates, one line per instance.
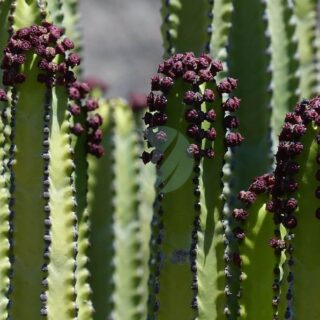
(77, 233)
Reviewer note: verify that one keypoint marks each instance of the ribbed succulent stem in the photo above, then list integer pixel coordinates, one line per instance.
(221, 24)
(307, 31)
(249, 61)
(190, 130)
(101, 237)
(61, 270)
(186, 27)
(285, 60)
(26, 124)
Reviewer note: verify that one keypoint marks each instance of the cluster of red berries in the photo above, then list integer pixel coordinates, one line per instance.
(55, 63)
(194, 71)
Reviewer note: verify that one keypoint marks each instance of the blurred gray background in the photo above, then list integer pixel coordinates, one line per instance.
(122, 42)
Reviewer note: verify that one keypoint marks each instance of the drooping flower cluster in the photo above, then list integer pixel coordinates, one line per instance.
(55, 62)
(284, 203)
(194, 71)
(260, 185)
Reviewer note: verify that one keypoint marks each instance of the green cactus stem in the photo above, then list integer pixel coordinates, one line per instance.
(42, 199)
(117, 270)
(307, 31)
(285, 60)
(187, 241)
(249, 61)
(178, 33)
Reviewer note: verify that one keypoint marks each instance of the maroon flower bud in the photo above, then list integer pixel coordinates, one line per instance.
(43, 64)
(205, 76)
(73, 93)
(92, 104)
(62, 68)
(177, 57)
(20, 78)
(272, 206)
(318, 138)
(75, 110)
(188, 97)
(211, 115)
(40, 50)
(42, 30)
(291, 205)
(155, 83)
(3, 95)
(55, 32)
(192, 115)
(25, 45)
(208, 95)
(84, 88)
(232, 104)
(95, 149)
(293, 118)
(34, 29)
(44, 39)
(160, 102)
(216, 67)
(177, 68)
(247, 197)
(67, 43)
(146, 157)
(190, 61)
(259, 185)
(73, 60)
(209, 153)
(193, 131)
(23, 33)
(211, 134)
(204, 61)
(34, 39)
(226, 86)
(95, 121)
(190, 76)
(166, 84)
(292, 167)
(19, 58)
(277, 244)
(96, 136)
(310, 115)
(239, 233)
(318, 158)
(194, 150)
(77, 129)
(233, 139)
(231, 122)
(60, 49)
(52, 67)
(50, 53)
(290, 222)
(317, 173)
(197, 98)
(240, 214)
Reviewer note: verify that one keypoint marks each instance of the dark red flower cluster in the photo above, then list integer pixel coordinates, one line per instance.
(55, 62)
(261, 184)
(194, 71)
(283, 204)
